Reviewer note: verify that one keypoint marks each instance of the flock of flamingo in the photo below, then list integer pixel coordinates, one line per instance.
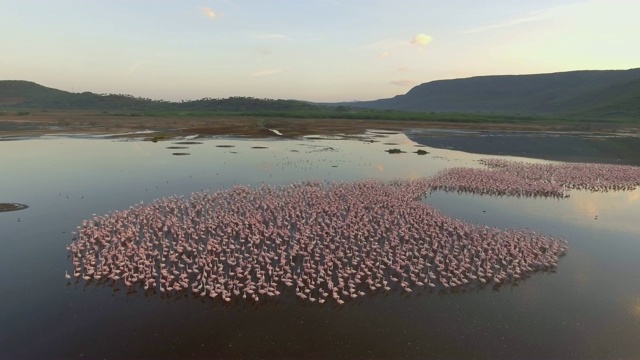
(515, 178)
(329, 241)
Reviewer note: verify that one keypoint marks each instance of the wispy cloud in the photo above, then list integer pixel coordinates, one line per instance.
(384, 48)
(533, 16)
(421, 39)
(404, 82)
(267, 72)
(272, 36)
(134, 68)
(210, 13)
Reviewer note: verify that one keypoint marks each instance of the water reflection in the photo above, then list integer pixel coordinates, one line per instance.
(589, 308)
(634, 308)
(611, 210)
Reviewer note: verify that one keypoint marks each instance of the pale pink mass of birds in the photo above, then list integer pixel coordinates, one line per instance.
(516, 178)
(327, 241)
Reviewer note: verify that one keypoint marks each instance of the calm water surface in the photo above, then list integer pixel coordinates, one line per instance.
(588, 308)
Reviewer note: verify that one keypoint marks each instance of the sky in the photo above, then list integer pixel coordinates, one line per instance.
(315, 50)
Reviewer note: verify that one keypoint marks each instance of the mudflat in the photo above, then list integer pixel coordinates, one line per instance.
(12, 207)
(609, 143)
(88, 122)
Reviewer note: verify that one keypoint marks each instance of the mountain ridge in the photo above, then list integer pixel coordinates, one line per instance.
(30, 95)
(608, 94)
(571, 92)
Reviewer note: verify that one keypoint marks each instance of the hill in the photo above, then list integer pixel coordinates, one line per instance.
(597, 95)
(29, 95)
(614, 93)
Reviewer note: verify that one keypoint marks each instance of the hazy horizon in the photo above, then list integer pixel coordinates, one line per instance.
(296, 99)
(319, 51)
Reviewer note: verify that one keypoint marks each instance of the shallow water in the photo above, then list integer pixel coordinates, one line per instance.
(589, 307)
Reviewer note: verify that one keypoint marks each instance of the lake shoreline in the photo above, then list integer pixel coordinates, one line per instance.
(88, 122)
(612, 144)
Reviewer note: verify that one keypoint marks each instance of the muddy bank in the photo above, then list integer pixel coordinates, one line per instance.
(12, 207)
(613, 144)
(167, 127)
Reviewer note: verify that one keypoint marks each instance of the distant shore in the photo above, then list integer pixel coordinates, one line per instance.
(90, 122)
(610, 144)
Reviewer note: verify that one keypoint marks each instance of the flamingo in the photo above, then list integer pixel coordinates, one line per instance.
(322, 238)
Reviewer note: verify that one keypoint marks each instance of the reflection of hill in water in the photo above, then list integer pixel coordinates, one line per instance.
(558, 147)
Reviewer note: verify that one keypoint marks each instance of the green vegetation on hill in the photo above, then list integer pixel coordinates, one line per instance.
(29, 95)
(578, 96)
(16, 94)
(620, 100)
(582, 94)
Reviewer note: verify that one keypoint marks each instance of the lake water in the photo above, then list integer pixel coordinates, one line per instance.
(588, 308)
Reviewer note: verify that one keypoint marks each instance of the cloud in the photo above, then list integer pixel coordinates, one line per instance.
(384, 55)
(272, 36)
(267, 72)
(404, 82)
(533, 16)
(133, 68)
(632, 197)
(210, 13)
(264, 51)
(421, 39)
